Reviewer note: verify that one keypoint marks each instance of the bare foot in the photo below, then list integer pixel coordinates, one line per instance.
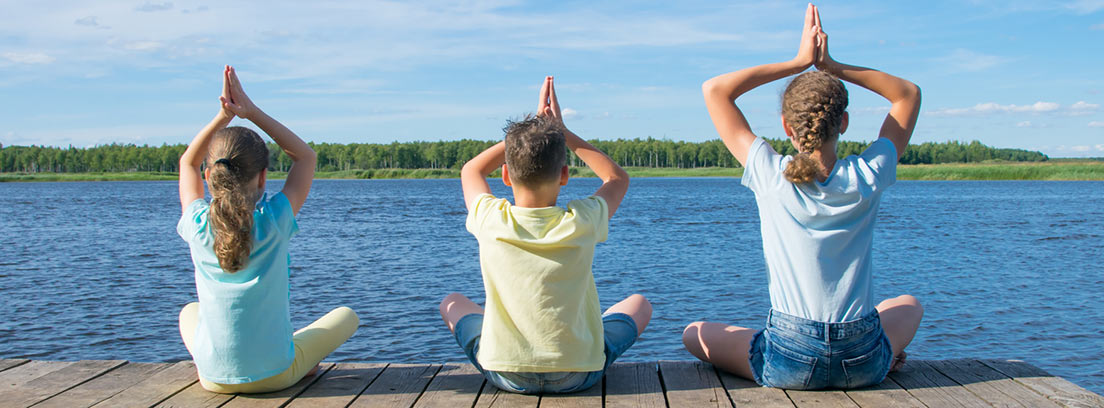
(898, 361)
(313, 371)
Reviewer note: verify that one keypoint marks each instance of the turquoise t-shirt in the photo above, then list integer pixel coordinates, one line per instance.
(244, 329)
(817, 237)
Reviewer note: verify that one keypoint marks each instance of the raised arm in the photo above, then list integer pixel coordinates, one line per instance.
(615, 181)
(304, 160)
(191, 181)
(721, 92)
(473, 177)
(904, 95)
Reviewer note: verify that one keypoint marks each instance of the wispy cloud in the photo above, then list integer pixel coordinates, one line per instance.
(1097, 27)
(28, 57)
(1085, 6)
(964, 60)
(1024, 124)
(150, 7)
(1096, 123)
(90, 21)
(991, 107)
(1084, 106)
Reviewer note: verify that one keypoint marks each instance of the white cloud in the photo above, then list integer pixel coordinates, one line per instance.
(1081, 148)
(1096, 123)
(28, 57)
(1097, 27)
(991, 107)
(144, 46)
(969, 61)
(1085, 6)
(569, 113)
(90, 21)
(1024, 124)
(150, 7)
(1100, 147)
(1082, 105)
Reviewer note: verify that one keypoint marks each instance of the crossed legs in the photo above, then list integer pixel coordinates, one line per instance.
(456, 306)
(727, 346)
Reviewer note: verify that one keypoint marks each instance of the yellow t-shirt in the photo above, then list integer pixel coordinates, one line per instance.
(542, 312)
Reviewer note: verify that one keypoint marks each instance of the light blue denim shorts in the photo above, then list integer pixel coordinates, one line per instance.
(620, 334)
(802, 354)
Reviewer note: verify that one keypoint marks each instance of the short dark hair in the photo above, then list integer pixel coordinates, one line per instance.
(535, 150)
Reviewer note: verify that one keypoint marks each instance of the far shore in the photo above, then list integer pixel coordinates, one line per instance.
(1054, 170)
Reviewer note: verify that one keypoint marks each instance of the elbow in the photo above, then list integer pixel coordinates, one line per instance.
(709, 87)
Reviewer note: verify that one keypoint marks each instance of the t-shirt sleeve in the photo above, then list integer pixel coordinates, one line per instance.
(483, 204)
(193, 219)
(881, 158)
(592, 211)
(761, 166)
(283, 214)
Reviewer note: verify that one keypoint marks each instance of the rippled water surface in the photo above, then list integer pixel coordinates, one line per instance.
(1005, 269)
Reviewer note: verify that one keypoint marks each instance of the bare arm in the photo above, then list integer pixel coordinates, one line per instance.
(304, 160)
(904, 95)
(191, 181)
(473, 177)
(721, 92)
(615, 181)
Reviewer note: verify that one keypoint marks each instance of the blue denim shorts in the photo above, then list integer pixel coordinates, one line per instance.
(802, 354)
(620, 334)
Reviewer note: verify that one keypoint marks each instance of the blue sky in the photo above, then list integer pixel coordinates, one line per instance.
(1023, 74)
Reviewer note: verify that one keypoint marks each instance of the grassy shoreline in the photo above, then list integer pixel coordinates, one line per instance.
(1051, 170)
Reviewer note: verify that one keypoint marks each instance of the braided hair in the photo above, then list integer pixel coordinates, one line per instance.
(813, 106)
(236, 156)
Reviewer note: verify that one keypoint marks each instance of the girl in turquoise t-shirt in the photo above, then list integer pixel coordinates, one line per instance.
(239, 333)
(817, 215)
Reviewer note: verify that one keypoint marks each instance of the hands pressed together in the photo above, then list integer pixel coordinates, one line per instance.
(549, 105)
(233, 100)
(813, 50)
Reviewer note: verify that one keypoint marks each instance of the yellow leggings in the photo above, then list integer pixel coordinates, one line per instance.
(312, 344)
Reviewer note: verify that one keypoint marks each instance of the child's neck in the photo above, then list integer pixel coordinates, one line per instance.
(536, 198)
(827, 159)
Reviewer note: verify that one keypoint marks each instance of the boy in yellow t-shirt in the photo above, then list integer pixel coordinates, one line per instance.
(542, 331)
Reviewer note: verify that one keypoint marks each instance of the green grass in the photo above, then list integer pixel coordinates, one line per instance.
(1061, 169)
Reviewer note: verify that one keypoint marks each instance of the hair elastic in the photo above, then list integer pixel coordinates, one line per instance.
(226, 162)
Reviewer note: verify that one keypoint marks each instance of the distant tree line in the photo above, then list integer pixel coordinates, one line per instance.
(648, 152)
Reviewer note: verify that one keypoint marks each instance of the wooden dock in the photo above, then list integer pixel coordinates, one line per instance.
(942, 383)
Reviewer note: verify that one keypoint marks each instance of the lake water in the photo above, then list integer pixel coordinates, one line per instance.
(1004, 269)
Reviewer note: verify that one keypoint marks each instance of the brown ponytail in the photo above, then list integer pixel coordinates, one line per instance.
(236, 156)
(813, 105)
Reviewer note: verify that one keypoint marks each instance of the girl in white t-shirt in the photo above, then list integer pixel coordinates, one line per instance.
(817, 215)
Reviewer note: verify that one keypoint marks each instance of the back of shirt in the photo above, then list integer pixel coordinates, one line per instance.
(817, 237)
(542, 312)
(244, 328)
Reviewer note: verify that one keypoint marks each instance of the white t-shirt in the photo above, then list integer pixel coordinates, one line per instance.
(817, 236)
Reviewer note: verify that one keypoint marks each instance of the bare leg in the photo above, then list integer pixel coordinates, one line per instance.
(456, 306)
(900, 319)
(721, 345)
(637, 307)
(189, 319)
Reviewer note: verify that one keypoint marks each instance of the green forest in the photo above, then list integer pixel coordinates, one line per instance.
(654, 153)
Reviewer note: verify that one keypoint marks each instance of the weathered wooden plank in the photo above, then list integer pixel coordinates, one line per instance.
(634, 385)
(29, 371)
(820, 399)
(339, 386)
(398, 386)
(155, 388)
(104, 386)
(277, 398)
(492, 397)
(1057, 389)
(55, 382)
(692, 384)
(885, 394)
(989, 384)
(590, 397)
(744, 392)
(934, 389)
(12, 362)
(195, 397)
(455, 385)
